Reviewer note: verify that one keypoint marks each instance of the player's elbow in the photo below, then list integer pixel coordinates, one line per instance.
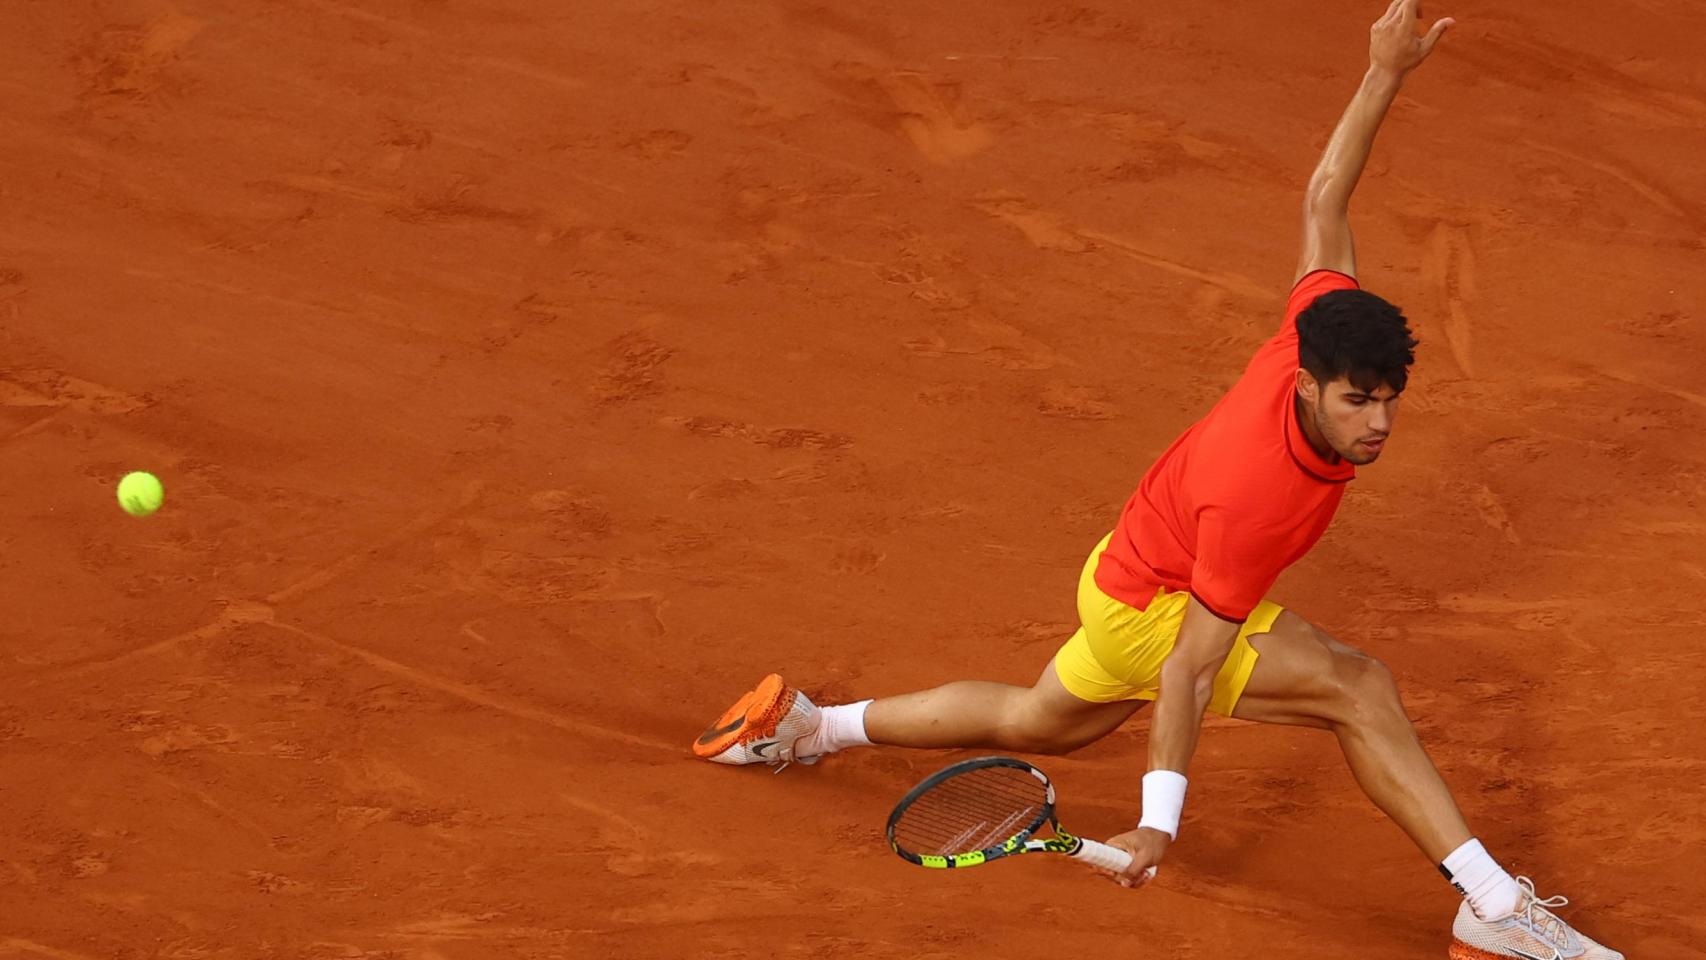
(1324, 208)
(1325, 199)
(1202, 686)
(1195, 677)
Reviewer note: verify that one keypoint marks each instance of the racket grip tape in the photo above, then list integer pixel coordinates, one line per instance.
(1108, 858)
(1102, 855)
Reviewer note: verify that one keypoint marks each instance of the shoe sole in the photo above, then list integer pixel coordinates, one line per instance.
(1463, 951)
(755, 713)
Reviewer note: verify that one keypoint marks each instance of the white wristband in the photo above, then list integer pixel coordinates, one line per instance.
(1163, 801)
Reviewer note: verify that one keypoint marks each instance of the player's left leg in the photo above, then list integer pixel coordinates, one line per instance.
(1303, 677)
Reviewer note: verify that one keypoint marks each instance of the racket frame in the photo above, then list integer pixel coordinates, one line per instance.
(1025, 841)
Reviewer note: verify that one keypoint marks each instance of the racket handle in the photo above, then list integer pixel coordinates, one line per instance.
(1108, 858)
(1101, 855)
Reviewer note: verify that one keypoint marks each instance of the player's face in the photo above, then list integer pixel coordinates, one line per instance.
(1356, 422)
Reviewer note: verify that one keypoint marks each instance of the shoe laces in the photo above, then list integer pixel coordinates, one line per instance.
(765, 725)
(784, 762)
(1537, 914)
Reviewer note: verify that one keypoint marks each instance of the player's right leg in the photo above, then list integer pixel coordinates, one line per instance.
(775, 723)
(1079, 698)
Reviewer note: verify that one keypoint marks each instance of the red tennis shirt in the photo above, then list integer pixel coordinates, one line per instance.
(1239, 496)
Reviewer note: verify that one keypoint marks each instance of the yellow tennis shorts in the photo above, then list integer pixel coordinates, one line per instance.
(1117, 652)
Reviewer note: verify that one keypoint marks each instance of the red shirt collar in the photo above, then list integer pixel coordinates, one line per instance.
(1337, 470)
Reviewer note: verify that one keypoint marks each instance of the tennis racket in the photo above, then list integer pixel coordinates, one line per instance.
(985, 809)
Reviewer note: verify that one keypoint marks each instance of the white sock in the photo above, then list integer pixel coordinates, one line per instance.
(838, 728)
(1491, 892)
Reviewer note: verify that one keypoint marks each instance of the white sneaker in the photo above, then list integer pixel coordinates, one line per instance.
(762, 727)
(1533, 932)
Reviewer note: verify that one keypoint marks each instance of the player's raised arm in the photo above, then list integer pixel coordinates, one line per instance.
(1394, 50)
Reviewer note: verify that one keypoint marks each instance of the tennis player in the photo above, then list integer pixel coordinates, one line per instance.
(1172, 601)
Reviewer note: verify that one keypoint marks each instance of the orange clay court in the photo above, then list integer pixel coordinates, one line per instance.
(527, 379)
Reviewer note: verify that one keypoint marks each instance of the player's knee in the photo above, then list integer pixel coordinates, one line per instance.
(1043, 733)
(1059, 744)
(1369, 690)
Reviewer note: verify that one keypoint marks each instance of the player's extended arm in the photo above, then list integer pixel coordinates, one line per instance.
(1187, 686)
(1394, 50)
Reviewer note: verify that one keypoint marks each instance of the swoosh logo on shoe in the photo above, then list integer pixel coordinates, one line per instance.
(761, 746)
(1533, 956)
(713, 733)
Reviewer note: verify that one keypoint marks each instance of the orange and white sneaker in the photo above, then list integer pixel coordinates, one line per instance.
(762, 727)
(1533, 932)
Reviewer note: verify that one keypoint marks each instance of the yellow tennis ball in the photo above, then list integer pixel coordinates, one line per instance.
(140, 493)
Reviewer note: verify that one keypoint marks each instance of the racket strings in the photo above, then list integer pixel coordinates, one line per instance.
(972, 811)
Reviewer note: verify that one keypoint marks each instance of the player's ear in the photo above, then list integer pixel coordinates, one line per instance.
(1307, 386)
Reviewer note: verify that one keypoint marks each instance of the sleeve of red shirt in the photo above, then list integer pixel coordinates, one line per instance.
(1236, 563)
(1311, 286)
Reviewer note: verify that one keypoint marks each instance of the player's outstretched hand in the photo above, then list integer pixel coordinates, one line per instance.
(1146, 847)
(1393, 42)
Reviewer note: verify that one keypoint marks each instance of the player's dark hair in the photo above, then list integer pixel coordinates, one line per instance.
(1355, 334)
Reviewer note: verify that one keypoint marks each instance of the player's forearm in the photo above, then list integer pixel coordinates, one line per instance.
(1187, 686)
(1179, 707)
(1347, 152)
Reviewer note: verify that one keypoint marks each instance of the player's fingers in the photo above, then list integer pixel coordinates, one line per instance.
(1435, 33)
(1118, 878)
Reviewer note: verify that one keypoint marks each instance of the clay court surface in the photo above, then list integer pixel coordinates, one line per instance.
(529, 378)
